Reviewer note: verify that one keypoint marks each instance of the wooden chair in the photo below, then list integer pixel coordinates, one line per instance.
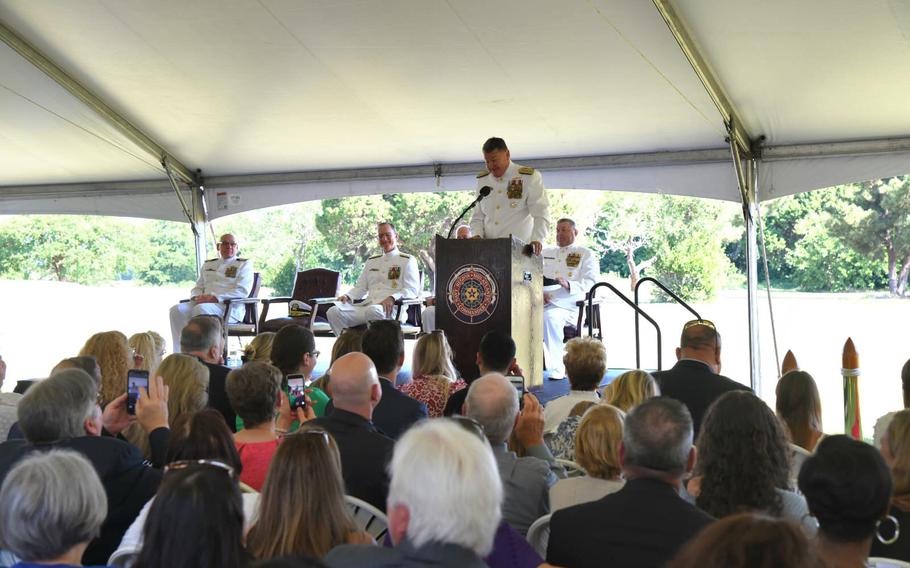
(249, 325)
(309, 285)
(577, 330)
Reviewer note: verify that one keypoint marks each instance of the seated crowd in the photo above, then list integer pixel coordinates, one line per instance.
(235, 468)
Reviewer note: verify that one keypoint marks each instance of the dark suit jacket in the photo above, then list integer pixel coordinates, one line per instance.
(456, 402)
(642, 525)
(405, 555)
(694, 384)
(396, 412)
(218, 398)
(364, 455)
(128, 482)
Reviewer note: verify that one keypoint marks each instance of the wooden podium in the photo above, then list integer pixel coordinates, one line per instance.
(487, 284)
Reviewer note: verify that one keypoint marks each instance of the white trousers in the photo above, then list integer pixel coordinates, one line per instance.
(181, 314)
(554, 319)
(359, 315)
(428, 317)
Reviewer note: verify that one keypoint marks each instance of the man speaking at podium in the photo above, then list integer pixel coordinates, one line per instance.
(517, 204)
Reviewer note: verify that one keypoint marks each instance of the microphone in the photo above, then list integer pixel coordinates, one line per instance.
(484, 191)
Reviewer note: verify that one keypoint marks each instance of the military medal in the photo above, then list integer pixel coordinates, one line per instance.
(394, 273)
(515, 188)
(230, 272)
(573, 260)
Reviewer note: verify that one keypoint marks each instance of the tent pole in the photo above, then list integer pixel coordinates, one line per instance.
(749, 215)
(199, 222)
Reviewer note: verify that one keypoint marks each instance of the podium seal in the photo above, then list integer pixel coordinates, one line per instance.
(471, 294)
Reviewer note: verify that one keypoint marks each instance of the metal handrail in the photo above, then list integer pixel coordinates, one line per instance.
(638, 311)
(670, 293)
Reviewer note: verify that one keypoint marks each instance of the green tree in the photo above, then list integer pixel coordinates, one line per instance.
(171, 254)
(349, 226)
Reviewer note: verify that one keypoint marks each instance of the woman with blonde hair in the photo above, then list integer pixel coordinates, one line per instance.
(301, 508)
(630, 389)
(187, 380)
(260, 349)
(597, 444)
(892, 539)
(111, 351)
(144, 351)
(434, 375)
(800, 409)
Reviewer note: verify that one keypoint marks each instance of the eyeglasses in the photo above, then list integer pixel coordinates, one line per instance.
(183, 464)
(312, 432)
(227, 244)
(705, 323)
(471, 425)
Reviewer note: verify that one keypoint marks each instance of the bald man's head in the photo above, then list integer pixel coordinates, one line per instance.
(355, 383)
(492, 401)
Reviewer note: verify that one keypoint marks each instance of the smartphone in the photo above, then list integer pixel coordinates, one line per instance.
(519, 383)
(296, 388)
(135, 379)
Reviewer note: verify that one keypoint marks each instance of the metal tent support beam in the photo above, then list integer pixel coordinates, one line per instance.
(750, 214)
(200, 225)
(102, 109)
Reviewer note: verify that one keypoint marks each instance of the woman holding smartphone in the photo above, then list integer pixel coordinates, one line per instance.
(294, 353)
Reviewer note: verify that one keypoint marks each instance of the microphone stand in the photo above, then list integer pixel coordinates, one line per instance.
(463, 213)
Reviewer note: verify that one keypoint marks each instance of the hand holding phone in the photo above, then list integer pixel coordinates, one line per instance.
(135, 379)
(296, 394)
(519, 383)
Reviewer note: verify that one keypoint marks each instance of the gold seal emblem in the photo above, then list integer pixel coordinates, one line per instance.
(394, 273)
(230, 272)
(516, 188)
(573, 260)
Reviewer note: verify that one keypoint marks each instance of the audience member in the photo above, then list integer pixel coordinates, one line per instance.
(260, 348)
(290, 562)
(203, 338)
(585, 364)
(743, 462)
(255, 394)
(294, 353)
(630, 389)
(160, 346)
(349, 341)
(187, 380)
(800, 409)
(890, 541)
(61, 412)
(451, 526)
(527, 480)
(144, 351)
(748, 540)
(496, 354)
(695, 379)
(9, 401)
(434, 375)
(364, 451)
(85, 362)
(646, 522)
(597, 445)
(848, 487)
(51, 506)
(196, 519)
(881, 425)
(383, 343)
(199, 435)
(110, 350)
(302, 510)
(562, 442)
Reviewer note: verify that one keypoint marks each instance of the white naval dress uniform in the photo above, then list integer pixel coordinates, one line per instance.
(517, 205)
(228, 279)
(390, 274)
(581, 269)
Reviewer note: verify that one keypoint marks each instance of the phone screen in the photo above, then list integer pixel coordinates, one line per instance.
(296, 389)
(135, 379)
(519, 384)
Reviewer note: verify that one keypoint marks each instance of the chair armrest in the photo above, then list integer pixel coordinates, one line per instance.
(230, 301)
(276, 300)
(323, 301)
(409, 301)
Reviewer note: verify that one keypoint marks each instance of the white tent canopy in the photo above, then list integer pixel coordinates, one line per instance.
(280, 101)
